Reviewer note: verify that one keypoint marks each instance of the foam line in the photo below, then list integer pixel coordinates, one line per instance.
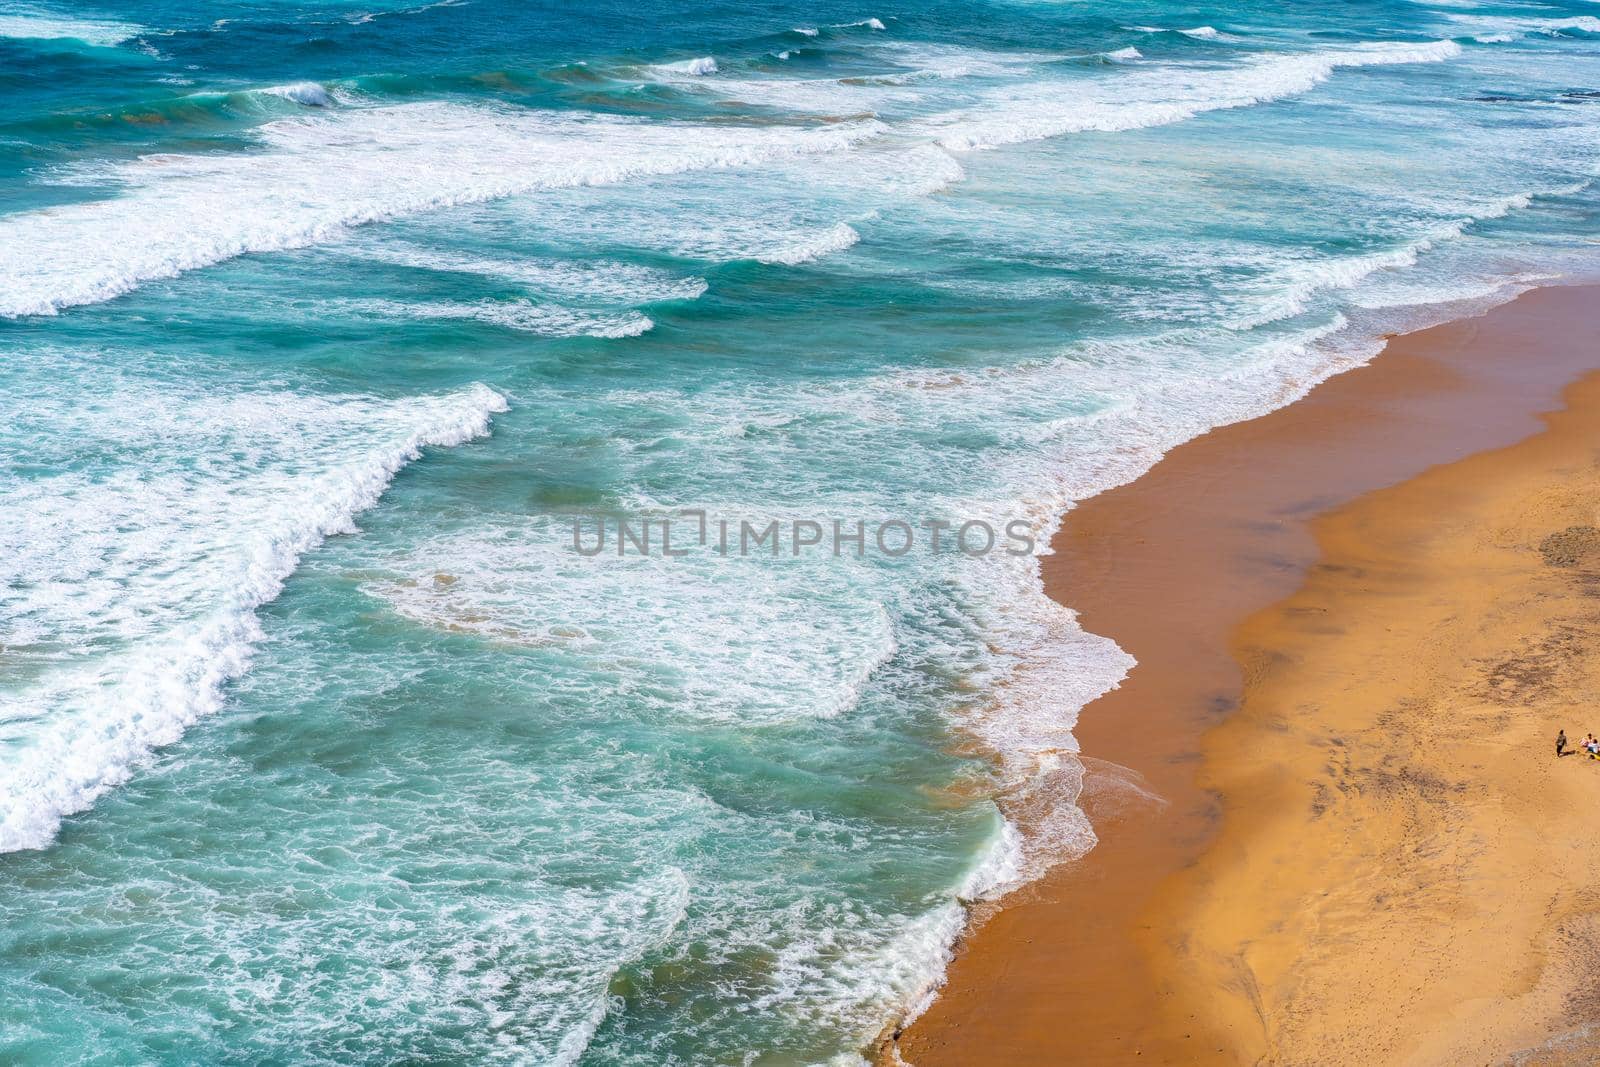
(323, 174)
(95, 721)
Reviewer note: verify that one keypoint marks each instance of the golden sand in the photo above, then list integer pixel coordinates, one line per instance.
(1407, 873)
(1364, 849)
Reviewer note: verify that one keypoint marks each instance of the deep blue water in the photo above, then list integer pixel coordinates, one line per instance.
(319, 743)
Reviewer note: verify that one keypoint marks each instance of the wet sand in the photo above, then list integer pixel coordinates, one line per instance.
(1252, 892)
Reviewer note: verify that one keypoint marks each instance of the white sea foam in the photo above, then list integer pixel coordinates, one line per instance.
(834, 974)
(136, 592)
(720, 217)
(1461, 296)
(716, 228)
(38, 25)
(602, 281)
(361, 18)
(833, 239)
(322, 174)
(1149, 94)
(308, 93)
(1198, 33)
(693, 67)
(933, 60)
(1490, 29)
(922, 953)
(698, 638)
(1160, 95)
(695, 644)
(643, 917)
(864, 93)
(1288, 291)
(823, 96)
(479, 972)
(1125, 55)
(548, 320)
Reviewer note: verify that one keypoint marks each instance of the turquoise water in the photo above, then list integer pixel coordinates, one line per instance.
(319, 743)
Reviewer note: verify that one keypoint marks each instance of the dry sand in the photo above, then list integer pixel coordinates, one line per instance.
(1407, 873)
(1400, 874)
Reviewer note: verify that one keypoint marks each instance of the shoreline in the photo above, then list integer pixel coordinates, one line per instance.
(1080, 964)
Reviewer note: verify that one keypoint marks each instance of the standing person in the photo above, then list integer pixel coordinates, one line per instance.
(1561, 743)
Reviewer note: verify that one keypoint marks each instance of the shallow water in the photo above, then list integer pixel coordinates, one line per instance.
(318, 741)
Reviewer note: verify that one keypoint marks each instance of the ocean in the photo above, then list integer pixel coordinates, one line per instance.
(334, 334)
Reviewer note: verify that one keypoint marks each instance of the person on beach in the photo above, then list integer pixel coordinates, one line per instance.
(1561, 743)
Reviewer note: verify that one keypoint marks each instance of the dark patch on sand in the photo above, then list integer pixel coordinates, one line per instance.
(1572, 547)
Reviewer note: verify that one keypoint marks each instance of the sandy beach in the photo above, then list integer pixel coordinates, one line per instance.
(1332, 824)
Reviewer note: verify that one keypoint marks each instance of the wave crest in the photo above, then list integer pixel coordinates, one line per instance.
(94, 720)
